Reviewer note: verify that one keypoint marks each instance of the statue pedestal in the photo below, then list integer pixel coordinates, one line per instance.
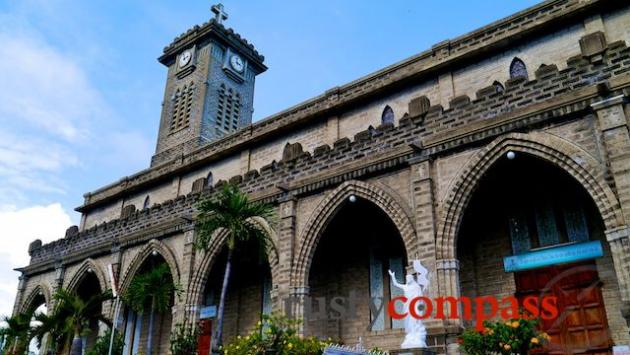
(414, 351)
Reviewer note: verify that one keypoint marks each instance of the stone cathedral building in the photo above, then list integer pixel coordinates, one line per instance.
(422, 148)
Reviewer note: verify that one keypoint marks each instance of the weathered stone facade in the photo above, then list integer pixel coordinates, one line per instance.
(457, 113)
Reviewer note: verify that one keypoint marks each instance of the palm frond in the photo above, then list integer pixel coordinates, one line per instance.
(155, 285)
(232, 212)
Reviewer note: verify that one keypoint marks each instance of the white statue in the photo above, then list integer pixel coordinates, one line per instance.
(415, 332)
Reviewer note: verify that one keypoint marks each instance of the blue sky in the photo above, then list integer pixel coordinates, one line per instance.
(80, 86)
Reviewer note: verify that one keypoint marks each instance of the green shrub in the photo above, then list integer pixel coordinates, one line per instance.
(516, 336)
(101, 347)
(184, 340)
(275, 335)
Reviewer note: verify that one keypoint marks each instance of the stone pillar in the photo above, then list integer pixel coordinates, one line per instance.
(186, 309)
(448, 279)
(447, 88)
(60, 271)
(332, 130)
(246, 161)
(294, 306)
(424, 219)
(20, 294)
(619, 241)
(109, 308)
(614, 123)
(286, 246)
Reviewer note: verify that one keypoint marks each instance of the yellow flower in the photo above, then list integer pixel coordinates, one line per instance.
(515, 324)
(290, 346)
(535, 340)
(507, 347)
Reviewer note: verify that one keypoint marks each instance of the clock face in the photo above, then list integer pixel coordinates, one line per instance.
(184, 58)
(237, 63)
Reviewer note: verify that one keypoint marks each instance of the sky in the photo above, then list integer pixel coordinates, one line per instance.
(81, 89)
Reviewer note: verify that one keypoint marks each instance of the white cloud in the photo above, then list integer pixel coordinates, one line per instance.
(45, 88)
(19, 228)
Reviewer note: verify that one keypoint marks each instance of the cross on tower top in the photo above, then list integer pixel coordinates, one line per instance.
(219, 13)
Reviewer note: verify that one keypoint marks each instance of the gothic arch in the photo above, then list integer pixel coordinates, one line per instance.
(141, 257)
(199, 279)
(326, 210)
(82, 271)
(569, 157)
(41, 289)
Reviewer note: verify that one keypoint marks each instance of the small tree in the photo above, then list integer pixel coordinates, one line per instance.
(16, 333)
(152, 289)
(102, 344)
(184, 340)
(71, 317)
(230, 212)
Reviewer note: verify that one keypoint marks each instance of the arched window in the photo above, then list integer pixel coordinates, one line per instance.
(147, 202)
(518, 69)
(209, 179)
(388, 115)
(498, 86)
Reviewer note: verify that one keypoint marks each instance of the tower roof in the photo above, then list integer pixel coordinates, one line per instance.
(216, 30)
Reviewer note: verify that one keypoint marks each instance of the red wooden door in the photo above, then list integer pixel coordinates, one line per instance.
(581, 326)
(203, 347)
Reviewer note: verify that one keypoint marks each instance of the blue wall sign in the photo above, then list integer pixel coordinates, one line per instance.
(552, 256)
(208, 312)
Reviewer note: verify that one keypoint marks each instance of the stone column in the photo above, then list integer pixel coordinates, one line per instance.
(60, 271)
(186, 310)
(286, 245)
(109, 308)
(448, 278)
(619, 241)
(294, 306)
(20, 294)
(332, 130)
(614, 123)
(424, 220)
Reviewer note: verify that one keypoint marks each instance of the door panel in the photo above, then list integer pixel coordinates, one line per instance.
(581, 327)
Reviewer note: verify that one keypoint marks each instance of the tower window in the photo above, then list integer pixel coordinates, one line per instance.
(182, 104)
(228, 109)
(518, 69)
(388, 115)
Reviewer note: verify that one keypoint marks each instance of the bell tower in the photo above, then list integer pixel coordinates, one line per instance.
(209, 89)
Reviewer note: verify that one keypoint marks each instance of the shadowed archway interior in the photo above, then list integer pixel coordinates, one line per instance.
(88, 287)
(136, 324)
(248, 294)
(522, 205)
(355, 251)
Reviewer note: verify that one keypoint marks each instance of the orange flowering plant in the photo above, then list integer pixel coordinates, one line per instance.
(515, 336)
